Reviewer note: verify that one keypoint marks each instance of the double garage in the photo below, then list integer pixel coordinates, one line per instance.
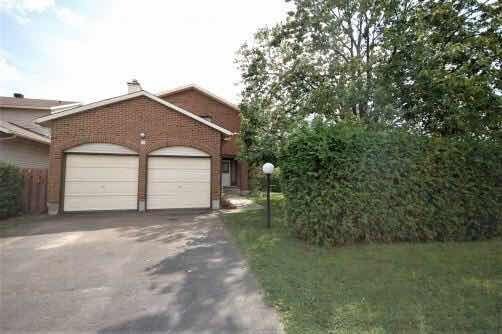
(101, 177)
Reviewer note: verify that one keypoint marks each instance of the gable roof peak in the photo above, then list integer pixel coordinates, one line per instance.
(201, 90)
(93, 105)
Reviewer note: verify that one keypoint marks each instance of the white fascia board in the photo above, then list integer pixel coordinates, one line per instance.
(67, 112)
(189, 114)
(64, 107)
(85, 107)
(4, 129)
(23, 133)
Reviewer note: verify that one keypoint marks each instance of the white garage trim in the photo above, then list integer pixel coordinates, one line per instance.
(101, 148)
(100, 182)
(178, 182)
(179, 151)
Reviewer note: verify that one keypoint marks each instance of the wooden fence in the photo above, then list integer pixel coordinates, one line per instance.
(34, 197)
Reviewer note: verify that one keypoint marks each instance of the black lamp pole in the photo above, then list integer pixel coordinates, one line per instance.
(268, 202)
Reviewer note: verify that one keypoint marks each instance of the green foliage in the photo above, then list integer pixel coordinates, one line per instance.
(11, 183)
(435, 287)
(258, 180)
(346, 183)
(428, 66)
(443, 74)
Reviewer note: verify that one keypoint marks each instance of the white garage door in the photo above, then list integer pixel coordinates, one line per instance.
(177, 182)
(101, 182)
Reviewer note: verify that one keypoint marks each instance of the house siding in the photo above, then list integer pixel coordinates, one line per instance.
(24, 118)
(24, 153)
(121, 124)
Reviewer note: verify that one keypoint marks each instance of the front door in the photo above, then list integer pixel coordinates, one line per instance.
(225, 173)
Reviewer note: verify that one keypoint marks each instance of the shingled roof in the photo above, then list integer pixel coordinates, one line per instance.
(24, 103)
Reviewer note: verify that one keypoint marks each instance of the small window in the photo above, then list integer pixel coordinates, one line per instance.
(207, 118)
(225, 166)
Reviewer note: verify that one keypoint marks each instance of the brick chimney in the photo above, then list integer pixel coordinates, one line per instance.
(133, 86)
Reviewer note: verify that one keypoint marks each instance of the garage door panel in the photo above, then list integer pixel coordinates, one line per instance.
(175, 176)
(105, 160)
(101, 182)
(100, 203)
(177, 188)
(101, 188)
(114, 174)
(178, 183)
(175, 203)
(179, 163)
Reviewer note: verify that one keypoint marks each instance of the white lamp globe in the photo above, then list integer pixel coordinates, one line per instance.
(268, 168)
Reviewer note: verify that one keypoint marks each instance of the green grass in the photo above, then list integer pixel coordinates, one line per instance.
(373, 288)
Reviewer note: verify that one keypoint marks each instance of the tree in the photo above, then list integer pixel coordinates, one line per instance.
(320, 62)
(430, 66)
(443, 73)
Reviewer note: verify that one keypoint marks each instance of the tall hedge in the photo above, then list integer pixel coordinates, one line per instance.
(345, 183)
(11, 183)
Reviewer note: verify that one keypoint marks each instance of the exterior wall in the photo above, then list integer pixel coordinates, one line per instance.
(202, 105)
(229, 118)
(24, 153)
(24, 118)
(243, 181)
(121, 124)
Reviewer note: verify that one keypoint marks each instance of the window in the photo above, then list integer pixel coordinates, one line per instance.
(225, 166)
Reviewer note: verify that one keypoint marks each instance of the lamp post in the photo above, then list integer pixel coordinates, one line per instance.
(268, 169)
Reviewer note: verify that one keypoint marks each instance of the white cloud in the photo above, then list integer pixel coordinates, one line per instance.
(21, 9)
(8, 71)
(163, 44)
(69, 17)
(26, 5)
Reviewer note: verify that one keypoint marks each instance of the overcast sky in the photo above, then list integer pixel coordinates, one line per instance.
(87, 50)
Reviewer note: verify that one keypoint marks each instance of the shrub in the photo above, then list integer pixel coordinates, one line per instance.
(258, 180)
(11, 183)
(346, 183)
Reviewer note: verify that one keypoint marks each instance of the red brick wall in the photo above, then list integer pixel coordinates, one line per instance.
(203, 105)
(121, 124)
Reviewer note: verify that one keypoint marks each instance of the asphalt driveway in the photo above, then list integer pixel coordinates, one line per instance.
(128, 273)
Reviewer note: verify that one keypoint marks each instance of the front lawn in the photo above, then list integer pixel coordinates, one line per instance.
(373, 288)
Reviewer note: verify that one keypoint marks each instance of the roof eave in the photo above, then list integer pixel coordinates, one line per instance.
(12, 129)
(48, 118)
(202, 90)
(24, 107)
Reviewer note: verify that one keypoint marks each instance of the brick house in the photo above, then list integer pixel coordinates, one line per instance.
(141, 151)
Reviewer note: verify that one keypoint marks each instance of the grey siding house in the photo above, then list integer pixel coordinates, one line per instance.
(22, 142)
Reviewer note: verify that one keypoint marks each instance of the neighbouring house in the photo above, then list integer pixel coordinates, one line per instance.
(141, 151)
(22, 142)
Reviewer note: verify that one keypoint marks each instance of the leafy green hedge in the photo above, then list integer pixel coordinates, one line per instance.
(11, 183)
(345, 183)
(258, 180)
